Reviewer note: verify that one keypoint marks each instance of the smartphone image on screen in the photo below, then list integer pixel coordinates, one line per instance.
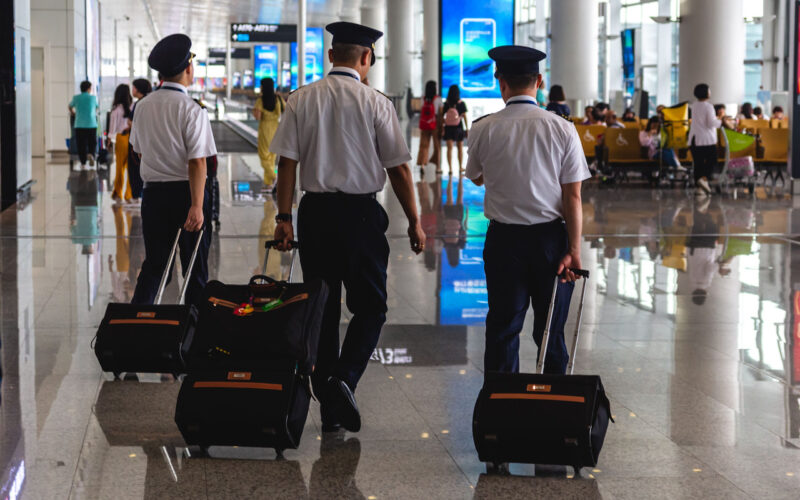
(267, 69)
(478, 35)
(311, 67)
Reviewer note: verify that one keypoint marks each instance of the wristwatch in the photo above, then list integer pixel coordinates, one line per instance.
(283, 218)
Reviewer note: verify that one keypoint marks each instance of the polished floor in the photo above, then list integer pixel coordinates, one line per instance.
(692, 319)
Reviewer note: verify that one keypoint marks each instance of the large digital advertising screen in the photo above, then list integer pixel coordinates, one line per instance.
(265, 62)
(313, 57)
(628, 60)
(469, 28)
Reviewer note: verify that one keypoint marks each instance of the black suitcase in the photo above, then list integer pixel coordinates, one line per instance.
(288, 330)
(246, 404)
(148, 338)
(540, 418)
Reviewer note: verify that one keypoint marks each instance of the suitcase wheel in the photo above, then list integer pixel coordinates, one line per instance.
(279, 454)
(497, 468)
(116, 375)
(577, 469)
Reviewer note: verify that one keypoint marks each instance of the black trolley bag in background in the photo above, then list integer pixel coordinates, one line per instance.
(250, 384)
(541, 418)
(149, 338)
(284, 323)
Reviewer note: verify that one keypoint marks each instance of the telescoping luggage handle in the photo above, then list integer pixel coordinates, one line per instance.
(187, 274)
(546, 337)
(269, 245)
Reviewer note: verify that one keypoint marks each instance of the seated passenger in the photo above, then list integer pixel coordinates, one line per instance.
(629, 115)
(612, 121)
(727, 121)
(587, 114)
(745, 111)
(777, 113)
(650, 138)
(596, 118)
(758, 113)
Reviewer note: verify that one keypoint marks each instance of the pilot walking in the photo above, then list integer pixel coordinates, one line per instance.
(347, 140)
(172, 133)
(532, 164)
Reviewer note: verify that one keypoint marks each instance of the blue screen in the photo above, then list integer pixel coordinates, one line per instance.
(266, 62)
(628, 60)
(469, 29)
(313, 57)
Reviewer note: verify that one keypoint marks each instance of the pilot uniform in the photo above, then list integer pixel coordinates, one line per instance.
(524, 155)
(344, 135)
(169, 129)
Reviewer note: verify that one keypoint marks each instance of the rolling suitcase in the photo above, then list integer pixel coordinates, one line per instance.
(246, 403)
(540, 418)
(264, 320)
(149, 338)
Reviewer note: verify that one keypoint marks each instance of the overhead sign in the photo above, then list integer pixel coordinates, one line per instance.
(258, 32)
(236, 53)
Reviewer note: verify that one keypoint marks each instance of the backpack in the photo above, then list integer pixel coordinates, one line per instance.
(427, 116)
(451, 117)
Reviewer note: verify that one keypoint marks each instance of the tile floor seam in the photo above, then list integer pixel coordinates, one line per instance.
(83, 440)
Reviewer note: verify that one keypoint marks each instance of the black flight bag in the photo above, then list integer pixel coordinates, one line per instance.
(149, 338)
(266, 319)
(244, 404)
(541, 418)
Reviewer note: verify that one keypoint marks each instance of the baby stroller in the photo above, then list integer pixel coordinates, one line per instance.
(738, 169)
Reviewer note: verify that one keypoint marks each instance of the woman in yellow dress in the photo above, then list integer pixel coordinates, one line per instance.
(267, 111)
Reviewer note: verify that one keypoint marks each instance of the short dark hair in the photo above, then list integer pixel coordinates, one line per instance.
(601, 106)
(348, 53)
(557, 93)
(717, 107)
(757, 110)
(86, 85)
(519, 82)
(143, 86)
(777, 109)
(597, 115)
(701, 91)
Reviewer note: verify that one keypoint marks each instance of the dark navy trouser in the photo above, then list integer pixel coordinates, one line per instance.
(165, 206)
(342, 241)
(521, 264)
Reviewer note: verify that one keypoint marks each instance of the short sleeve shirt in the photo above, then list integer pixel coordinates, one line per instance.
(343, 133)
(85, 105)
(168, 130)
(525, 154)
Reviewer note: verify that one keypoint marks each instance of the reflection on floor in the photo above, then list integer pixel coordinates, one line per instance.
(691, 319)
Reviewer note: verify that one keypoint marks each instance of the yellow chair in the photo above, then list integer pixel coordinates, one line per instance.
(577, 120)
(623, 145)
(751, 126)
(635, 125)
(779, 123)
(590, 137)
(775, 142)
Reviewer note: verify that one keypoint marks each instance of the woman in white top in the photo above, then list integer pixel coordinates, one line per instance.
(119, 127)
(703, 138)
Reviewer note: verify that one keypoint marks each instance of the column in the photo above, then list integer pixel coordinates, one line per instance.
(374, 16)
(574, 49)
(614, 50)
(712, 49)
(664, 64)
(399, 36)
(431, 49)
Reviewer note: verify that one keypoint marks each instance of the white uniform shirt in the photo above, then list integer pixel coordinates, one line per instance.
(168, 130)
(525, 154)
(343, 133)
(704, 124)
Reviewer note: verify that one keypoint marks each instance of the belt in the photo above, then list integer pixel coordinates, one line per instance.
(554, 222)
(339, 194)
(166, 185)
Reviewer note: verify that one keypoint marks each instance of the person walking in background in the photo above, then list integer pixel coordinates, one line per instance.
(118, 129)
(141, 88)
(703, 138)
(83, 107)
(557, 102)
(267, 111)
(428, 124)
(454, 116)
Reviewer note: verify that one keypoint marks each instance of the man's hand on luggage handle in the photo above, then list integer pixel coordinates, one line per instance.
(417, 237)
(570, 260)
(284, 232)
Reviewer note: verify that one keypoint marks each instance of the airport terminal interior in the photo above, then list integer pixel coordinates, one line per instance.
(692, 309)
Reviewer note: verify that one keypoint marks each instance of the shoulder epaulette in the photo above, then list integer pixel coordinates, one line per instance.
(199, 103)
(562, 115)
(476, 120)
(381, 93)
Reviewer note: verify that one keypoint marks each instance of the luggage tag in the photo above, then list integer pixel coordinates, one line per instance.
(273, 304)
(245, 309)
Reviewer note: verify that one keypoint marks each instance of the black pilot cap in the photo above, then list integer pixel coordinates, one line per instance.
(171, 55)
(354, 34)
(516, 59)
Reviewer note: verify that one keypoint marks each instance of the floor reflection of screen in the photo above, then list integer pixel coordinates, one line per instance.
(421, 345)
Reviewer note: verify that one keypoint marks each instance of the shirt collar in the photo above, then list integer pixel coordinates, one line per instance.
(173, 85)
(345, 69)
(523, 97)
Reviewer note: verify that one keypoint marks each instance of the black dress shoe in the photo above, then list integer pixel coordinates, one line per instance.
(334, 427)
(344, 404)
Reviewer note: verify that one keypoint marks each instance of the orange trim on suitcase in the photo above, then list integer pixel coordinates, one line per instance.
(238, 385)
(548, 397)
(170, 322)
